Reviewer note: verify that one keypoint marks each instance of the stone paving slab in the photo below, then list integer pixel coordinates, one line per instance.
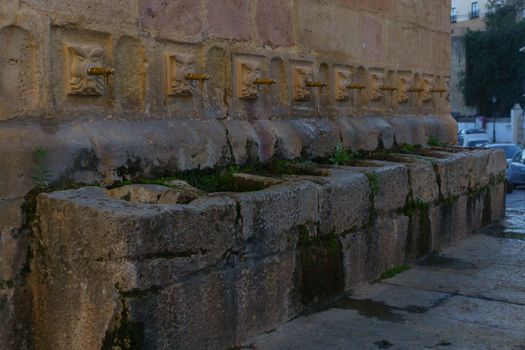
(469, 296)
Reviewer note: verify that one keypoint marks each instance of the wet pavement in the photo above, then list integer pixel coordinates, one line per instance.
(469, 296)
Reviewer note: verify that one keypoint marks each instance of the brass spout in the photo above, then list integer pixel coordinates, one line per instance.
(440, 91)
(388, 88)
(316, 84)
(101, 71)
(264, 81)
(355, 87)
(196, 76)
(105, 71)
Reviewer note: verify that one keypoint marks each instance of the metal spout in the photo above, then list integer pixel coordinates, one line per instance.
(355, 87)
(441, 91)
(316, 84)
(196, 76)
(388, 88)
(105, 71)
(264, 82)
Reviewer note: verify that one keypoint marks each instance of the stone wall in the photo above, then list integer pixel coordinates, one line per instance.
(153, 45)
(385, 63)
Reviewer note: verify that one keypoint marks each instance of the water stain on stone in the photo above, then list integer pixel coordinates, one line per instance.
(443, 343)
(383, 344)
(501, 231)
(435, 259)
(371, 308)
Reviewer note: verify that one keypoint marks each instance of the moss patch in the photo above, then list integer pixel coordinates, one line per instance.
(394, 271)
(126, 335)
(321, 264)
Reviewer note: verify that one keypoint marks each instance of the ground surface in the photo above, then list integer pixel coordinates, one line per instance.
(469, 296)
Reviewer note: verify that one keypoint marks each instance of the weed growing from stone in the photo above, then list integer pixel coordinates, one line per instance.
(374, 181)
(343, 156)
(42, 173)
(434, 142)
(394, 271)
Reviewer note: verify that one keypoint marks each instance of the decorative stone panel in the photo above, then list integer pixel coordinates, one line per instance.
(342, 79)
(178, 66)
(248, 71)
(302, 74)
(79, 58)
(377, 80)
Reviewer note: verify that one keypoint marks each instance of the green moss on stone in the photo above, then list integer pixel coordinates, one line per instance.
(394, 271)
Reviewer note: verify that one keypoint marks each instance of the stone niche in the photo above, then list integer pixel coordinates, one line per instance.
(343, 78)
(179, 95)
(303, 97)
(178, 66)
(19, 84)
(250, 99)
(74, 52)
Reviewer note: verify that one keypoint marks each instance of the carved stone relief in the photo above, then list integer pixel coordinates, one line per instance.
(426, 94)
(343, 78)
(248, 70)
(178, 66)
(376, 82)
(79, 58)
(403, 84)
(302, 75)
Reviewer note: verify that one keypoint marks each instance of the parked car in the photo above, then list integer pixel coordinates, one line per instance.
(515, 171)
(473, 138)
(511, 150)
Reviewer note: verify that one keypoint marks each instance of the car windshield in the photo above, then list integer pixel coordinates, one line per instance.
(510, 150)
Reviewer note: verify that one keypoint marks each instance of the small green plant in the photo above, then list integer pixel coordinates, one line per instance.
(408, 148)
(42, 173)
(341, 156)
(434, 142)
(344, 156)
(394, 271)
(375, 186)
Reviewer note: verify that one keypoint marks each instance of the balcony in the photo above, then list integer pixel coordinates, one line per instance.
(473, 14)
(453, 18)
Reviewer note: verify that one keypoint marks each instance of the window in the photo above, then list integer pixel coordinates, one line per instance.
(474, 10)
(454, 15)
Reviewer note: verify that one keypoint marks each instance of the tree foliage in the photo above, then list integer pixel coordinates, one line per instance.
(495, 67)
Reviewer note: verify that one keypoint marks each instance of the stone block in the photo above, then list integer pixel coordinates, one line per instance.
(344, 202)
(271, 218)
(275, 22)
(372, 34)
(14, 250)
(325, 28)
(19, 86)
(172, 316)
(263, 291)
(451, 172)
(171, 17)
(125, 229)
(389, 238)
(422, 181)
(389, 181)
(229, 19)
(369, 253)
(497, 201)
(496, 162)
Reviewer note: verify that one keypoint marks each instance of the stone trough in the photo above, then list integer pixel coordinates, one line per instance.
(153, 267)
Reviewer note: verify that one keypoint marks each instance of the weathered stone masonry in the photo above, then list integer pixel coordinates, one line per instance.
(385, 64)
